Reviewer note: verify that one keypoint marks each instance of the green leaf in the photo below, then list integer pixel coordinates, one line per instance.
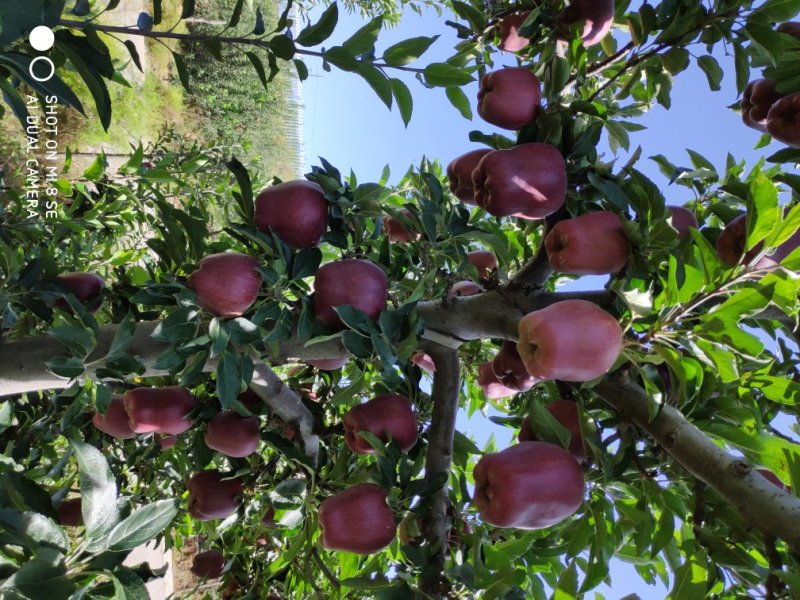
(219, 337)
(122, 337)
(546, 427)
(78, 340)
(742, 66)
(379, 82)
(282, 47)
(567, 587)
(713, 71)
(144, 524)
(777, 10)
(14, 100)
(18, 18)
(41, 577)
(408, 50)
(183, 70)
(402, 96)
(64, 366)
(320, 31)
(229, 378)
(444, 75)
(98, 490)
(363, 40)
(459, 99)
(765, 39)
(236, 15)
(19, 64)
(188, 9)
(691, 580)
(675, 60)
(35, 529)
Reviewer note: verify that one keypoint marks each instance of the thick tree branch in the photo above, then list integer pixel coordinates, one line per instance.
(446, 386)
(285, 403)
(770, 509)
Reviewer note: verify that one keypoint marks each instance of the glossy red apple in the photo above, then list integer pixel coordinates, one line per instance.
(484, 261)
(384, 415)
(682, 219)
(566, 413)
(423, 361)
(464, 288)
(115, 421)
(531, 485)
(357, 520)
(459, 172)
(87, 287)
(358, 283)
(397, 231)
(161, 410)
(509, 98)
(212, 498)
(571, 340)
(329, 364)
(772, 478)
(757, 99)
(209, 564)
(295, 210)
(510, 39)
(492, 387)
(232, 434)
(69, 512)
(509, 369)
(527, 181)
(591, 244)
(783, 120)
(597, 17)
(226, 284)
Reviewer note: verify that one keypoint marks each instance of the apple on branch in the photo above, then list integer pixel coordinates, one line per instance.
(296, 211)
(161, 410)
(354, 282)
(383, 416)
(357, 520)
(459, 174)
(597, 17)
(211, 497)
(209, 564)
(226, 284)
(591, 244)
(566, 413)
(232, 434)
(115, 422)
(508, 28)
(509, 98)
(683, 220)
(87, 288)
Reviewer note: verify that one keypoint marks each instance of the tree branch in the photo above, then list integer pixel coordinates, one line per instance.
(769, 508)
(446, 386)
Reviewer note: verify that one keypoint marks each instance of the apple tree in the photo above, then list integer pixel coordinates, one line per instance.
(191, 349)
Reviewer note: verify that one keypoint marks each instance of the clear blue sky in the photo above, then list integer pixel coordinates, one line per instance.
(348, 125)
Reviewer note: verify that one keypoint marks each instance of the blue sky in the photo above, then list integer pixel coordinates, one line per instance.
(349, 126)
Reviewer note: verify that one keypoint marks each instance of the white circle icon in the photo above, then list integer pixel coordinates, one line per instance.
(42, 38)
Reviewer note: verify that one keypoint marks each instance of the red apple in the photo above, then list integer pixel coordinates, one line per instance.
(757, 99)
(87, 287)
(251, 400)
(384, 415)
(510, 40)
(357, 520)
(268, 520)
(464, 288)
(232, 434)
(423, 361)
(596, 15)
(682, 219)
(459, 172)
(295, 210)
(329, 364)
(527, 181)
(212, 498)
(69, 512)
(566, 413)
(115, 421)
(790, 27)
(358, 283)
(484, 261)
(161, 410)
(591, 244)
(731, 243)
(571, 340)
(783, 120)
(509, 98)
(531, 485)
(509, 370)
(396, 231)
(166, 441)
(773, 479)
(490, 384)
(226, 284)
(209, 564)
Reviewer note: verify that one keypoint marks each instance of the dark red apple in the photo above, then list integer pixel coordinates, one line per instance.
(510, 39)
(509, 98)
(490, 384)
(531, 485)
(384, 415)
(115, 421)
(295, 210)
(329, 364)
(509, 369)
(790, 27)
(732, 241)
(226, 284)
(423, 361)
(464, 288)
(783, 120)
(166, 441)
(571, 340)
(527, 181)
(358, 283)
(209, 564)
(459, 172)
(69, 512)
(268, 520)
(682, 219)
(87, 287)
(597, 17)
(232, 434)
(566, 413)
(591, 244)
(484, 261)
(161, 410)
(397, 231)
(772, 478)
(757, 99)
(212, 498)
(251, 400)
(357, 520)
